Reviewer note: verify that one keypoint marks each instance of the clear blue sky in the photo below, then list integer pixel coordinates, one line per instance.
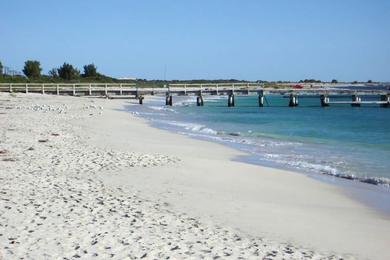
(270, 40)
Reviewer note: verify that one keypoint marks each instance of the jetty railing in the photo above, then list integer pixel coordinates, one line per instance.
(69, 88)
(326, 95)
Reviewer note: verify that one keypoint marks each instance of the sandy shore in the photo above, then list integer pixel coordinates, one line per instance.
(81, 178)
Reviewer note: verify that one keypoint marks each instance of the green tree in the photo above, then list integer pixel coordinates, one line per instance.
(90, 70)
(369, 81)
(1, 70)
(32, 69)
(334, 81)
(310, 81)
(68, 72)
(53, 73)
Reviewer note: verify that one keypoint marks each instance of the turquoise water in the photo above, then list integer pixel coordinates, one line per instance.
(343, 141)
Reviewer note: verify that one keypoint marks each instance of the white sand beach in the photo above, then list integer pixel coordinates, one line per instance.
(82, 178)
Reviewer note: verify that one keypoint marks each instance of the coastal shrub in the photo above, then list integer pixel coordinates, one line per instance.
(53, 73)
(1, 70)
(32, 69)
(68, 72)
(90, 70)
(310, 81)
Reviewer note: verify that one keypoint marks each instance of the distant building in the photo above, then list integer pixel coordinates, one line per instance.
(127, 78)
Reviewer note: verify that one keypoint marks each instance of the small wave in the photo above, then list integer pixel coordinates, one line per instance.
(383, 181)
(271, 155)
(157, 107)
(320, 168)
(194, 127)
(161, 108)
(329, 170)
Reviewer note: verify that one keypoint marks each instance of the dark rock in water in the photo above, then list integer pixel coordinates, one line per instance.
(3, 152)
(31, 149)
(55, 134)
(43, 140)
(370, 181)
(234, 134)
(348, 177)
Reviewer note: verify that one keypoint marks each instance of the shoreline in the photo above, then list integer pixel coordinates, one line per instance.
(210, 134)
(195, 177)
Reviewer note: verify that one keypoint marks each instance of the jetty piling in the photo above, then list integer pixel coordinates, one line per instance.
(141, 99)
(293, 101)
(324, 101)
(386, 100)
(168, 100)
(261, 98)
(199, 100)
(231, 100)
(356, 100)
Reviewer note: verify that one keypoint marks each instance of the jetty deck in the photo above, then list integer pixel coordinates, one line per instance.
(327, 95)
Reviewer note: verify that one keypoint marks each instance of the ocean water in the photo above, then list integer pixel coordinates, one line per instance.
(340, 140)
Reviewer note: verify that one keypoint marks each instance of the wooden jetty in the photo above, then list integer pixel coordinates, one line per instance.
(327, 96)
